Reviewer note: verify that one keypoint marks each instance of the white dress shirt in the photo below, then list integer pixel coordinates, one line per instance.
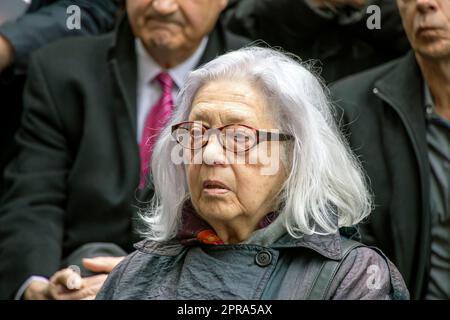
(148, 88)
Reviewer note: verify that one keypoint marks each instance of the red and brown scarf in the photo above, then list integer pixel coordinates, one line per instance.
(195, 230)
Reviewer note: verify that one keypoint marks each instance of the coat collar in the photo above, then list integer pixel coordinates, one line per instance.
(402, 90)
(271, 233)
(328, 246)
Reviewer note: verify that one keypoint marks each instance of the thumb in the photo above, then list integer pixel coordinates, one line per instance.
(101, 264)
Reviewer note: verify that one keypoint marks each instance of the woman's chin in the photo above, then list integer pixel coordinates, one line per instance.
(216, 208)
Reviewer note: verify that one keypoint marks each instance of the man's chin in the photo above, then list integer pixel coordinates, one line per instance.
(161, 39)
(437, 51)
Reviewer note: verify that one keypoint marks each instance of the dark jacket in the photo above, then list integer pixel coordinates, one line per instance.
(169, 270)
(342, 42)
(74, 180)
(383, 118)
(45, 21)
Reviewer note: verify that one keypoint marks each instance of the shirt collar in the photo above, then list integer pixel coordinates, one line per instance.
(430, 108)
(428, 98)
(148, 69)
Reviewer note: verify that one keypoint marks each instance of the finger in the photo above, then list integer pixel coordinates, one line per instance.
(91, 286)
(59, 292)
(76, 295)
(63, 282)
(94, 280)
(101, 264)
(66, 278)
(37, 290)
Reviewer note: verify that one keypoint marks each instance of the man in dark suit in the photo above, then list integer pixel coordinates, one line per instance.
(397, 119)
(87, 104)
(25, 29)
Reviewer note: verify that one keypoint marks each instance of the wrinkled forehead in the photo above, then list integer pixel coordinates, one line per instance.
(214, 114)
(223, 102)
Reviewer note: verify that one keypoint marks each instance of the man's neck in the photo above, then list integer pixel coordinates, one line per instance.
(168, 59)
(436, 73)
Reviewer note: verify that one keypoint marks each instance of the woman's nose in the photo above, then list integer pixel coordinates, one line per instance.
(213, 152)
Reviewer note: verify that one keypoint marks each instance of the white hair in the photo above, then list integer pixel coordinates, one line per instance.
(325, 187)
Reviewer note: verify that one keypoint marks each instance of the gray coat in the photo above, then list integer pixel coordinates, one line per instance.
(282, 270)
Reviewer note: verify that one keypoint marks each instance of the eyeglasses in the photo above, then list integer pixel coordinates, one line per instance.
(233, 137)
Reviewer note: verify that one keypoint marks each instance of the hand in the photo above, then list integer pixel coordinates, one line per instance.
(357, 4)
(66, 284)
(6, 53)
(61, 283)
(101, 264)
(37, 290)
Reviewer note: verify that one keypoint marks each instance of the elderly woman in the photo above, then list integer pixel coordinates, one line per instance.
(252, 184)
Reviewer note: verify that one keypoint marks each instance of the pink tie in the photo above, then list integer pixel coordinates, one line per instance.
(155, 121)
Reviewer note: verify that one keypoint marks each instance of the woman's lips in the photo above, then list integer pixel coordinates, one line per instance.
(215, 187)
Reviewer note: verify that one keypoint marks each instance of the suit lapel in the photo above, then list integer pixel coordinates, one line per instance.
(123, 68)
(122, 59)
(216, 45)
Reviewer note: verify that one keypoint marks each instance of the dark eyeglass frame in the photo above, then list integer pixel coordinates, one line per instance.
(261, 136)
